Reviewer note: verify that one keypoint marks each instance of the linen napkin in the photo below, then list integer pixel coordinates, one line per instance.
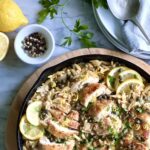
(133, 36)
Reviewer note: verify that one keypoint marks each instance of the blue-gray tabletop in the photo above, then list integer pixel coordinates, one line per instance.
(13, 72)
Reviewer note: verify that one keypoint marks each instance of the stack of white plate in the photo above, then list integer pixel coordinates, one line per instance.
(112, 29)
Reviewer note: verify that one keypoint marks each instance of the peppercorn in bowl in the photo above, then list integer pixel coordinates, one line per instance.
(89, 102)
(34, 44)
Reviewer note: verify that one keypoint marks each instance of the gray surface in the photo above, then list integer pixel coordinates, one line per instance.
(13, 72)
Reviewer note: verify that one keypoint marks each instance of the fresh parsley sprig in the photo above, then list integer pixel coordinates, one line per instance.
(50, 8)
(81, 31)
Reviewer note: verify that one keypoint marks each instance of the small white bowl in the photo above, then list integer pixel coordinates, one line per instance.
(27, 31)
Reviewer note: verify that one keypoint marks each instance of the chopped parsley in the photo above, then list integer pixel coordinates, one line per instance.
(111, 80)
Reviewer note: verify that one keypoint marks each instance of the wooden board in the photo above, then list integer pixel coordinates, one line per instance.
(10, 139)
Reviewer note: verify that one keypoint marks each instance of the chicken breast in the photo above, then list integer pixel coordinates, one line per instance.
(45, 144)
(101, 109)
(73, 124)
(74, 115)
(61, 104)
(57, 114)
(92, 91)
(89, 78)
(145, 117)
(59, 131)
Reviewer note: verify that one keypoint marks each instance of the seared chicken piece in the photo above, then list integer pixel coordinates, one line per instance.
(74, 115)
(135, 145)
(59, 131)
(145, 117)
(45, 144)
(92, 91)
(101, 109)
(61, 105)
(89, 78)
(73, 124)
(57, 114)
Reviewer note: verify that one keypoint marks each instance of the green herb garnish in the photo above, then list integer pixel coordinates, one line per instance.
(111, 80)
(115, 135)
(51, 8)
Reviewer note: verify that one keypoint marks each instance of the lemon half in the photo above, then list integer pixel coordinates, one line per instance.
(29, 131)
(4, 44)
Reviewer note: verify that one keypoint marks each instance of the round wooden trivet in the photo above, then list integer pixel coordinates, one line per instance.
(10, 139)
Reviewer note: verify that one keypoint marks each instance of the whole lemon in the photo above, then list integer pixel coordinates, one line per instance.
(11, 16)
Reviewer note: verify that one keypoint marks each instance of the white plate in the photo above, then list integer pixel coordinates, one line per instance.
(112, 29)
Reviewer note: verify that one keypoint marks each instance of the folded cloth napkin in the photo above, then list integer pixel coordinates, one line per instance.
(133, 36)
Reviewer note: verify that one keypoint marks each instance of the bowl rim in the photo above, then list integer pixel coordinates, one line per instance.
(45, 59)
(84, 58)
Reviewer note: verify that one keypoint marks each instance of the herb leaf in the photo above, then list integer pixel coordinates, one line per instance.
(42, 15)
(78, 27)
(111, 80)
(49, 8)
(68, 41)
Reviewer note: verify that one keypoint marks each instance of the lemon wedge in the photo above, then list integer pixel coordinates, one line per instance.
(11, 16)
(113, 75)
(125, 87)
(127, 74)
(29, 131)
(33, 111)
(4, 44)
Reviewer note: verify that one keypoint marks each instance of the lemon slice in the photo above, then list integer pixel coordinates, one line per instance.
(29, 131)
(33, 111)
(4, 44)
(125, 87)
(127, 74)
(112, 76)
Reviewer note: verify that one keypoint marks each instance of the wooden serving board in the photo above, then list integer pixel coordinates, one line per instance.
(10, 139)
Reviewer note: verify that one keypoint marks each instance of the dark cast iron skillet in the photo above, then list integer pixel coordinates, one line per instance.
(67, 63)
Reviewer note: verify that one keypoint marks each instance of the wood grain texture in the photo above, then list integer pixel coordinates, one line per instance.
(10, 139)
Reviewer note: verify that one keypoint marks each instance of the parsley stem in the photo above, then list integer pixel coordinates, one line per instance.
(63, 21)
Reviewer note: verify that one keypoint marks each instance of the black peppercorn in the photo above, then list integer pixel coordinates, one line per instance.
(34, 45)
